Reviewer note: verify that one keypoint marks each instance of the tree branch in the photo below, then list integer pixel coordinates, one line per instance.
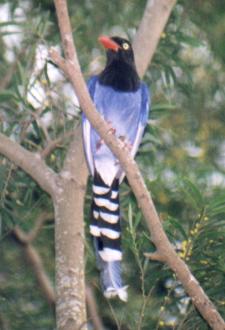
(69, 240)
(35, 261)
(155, 17)
(29, 237)
(93, 310)
(30, 162)
(5, 81)
(164, 248)
(52, 144)
(154, 256)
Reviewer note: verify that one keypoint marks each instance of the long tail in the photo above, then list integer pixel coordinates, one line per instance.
(105, 228)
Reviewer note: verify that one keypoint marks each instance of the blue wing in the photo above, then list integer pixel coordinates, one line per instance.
(127, 113)
(86, 127)
(145, 108)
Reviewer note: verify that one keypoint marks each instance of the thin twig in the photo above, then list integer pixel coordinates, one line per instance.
(35, 261)
(93, 310)
(31, 236)
(155, 256)
(52, 144)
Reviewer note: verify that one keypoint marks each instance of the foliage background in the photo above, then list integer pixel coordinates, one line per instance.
(182, 157)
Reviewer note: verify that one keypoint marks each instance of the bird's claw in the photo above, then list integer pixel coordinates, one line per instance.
(111, 130)
(126, 144)
(99, 144)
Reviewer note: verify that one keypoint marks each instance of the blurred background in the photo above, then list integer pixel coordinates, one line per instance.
(182, 158)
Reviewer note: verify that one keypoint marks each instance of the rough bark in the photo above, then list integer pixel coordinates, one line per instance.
(69, 242)
(72, 69)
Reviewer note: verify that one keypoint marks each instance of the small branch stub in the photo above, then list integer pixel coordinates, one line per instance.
(155, 256)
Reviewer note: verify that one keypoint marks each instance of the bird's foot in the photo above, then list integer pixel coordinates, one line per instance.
(126, 144)
(99, 144)
(111, 130)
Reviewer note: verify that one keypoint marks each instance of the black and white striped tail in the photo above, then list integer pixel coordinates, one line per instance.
(105, 228)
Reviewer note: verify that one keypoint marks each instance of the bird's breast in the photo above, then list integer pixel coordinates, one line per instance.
(121, 109)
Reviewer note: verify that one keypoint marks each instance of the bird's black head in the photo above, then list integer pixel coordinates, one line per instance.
(120, 71)
(118, 49)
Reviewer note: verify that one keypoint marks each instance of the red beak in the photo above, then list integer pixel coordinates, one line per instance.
(109, 43)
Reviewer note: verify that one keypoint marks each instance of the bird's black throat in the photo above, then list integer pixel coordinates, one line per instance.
(121, 76)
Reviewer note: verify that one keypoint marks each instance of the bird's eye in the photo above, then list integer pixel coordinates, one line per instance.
(126, 46)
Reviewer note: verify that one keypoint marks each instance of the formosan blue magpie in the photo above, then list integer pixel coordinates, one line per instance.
(123, 101)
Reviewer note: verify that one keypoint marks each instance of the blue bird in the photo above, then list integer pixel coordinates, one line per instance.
(123, 101)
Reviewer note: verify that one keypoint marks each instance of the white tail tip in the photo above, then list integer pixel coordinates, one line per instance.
(111, 292)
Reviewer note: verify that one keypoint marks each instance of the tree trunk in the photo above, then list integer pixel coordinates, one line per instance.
(69, 243)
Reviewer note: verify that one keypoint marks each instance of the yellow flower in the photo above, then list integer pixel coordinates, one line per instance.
(44, 82)
(46, 103)
(181, 254)
(171, 323)
(53, 158)
(184, 245)
(204, 262)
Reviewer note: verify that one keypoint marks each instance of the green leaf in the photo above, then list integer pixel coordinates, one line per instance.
(8, 23)
(36, 129)
(22, 75)
(46, 73)
(175, 223)
(130, 216)
(137, 219)
(163, 106)
(7, 95)
(189, 40)
(216, 206)
(192, 193)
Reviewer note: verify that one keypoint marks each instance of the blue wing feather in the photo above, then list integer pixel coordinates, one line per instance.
(127, 113)
(145, 104)
(86, 127)
(143, 118)
(91, 85)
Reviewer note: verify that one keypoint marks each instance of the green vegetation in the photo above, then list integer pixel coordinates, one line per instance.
(182, 158)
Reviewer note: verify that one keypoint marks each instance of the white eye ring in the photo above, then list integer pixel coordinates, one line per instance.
(126, 46)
